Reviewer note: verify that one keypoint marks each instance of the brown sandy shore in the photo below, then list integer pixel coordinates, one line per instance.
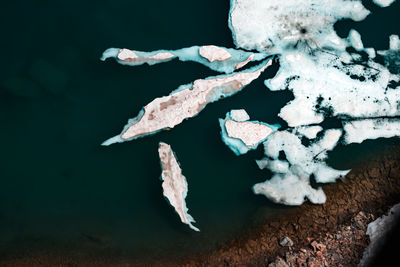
(332, 234)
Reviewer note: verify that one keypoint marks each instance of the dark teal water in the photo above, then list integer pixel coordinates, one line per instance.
(61, 190)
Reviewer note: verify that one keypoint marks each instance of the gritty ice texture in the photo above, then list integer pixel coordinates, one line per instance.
(290, 183)
(378, 231)
(268, 25)
(241, 135)
(174, 184)
(216, 58)
(185, 102)
(383, 3)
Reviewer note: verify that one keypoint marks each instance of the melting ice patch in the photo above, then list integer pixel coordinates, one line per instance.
(290, 183)
(326, 81)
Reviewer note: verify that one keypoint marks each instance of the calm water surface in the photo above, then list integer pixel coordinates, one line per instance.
(58, 102)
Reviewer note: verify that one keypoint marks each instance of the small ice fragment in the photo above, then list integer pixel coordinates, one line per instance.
(371, 52)
(383, 3)
(126, 54)
(214, 53)
(242, 135)
(239, 115)
(355, 40)
(394, 42)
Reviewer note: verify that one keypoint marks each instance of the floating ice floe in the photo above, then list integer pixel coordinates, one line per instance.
(185, 102)
(174, 184)
(241, 135)
(217, 58)
(327, 80)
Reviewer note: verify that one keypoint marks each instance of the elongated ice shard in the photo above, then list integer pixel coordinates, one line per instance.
(217, 58)
(185, 102)
(241, 135)
(174, 184)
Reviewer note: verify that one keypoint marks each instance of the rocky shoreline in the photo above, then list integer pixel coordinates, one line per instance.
(332, 234)
(366, 193)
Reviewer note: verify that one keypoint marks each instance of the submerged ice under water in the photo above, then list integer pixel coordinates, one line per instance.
(330, 77)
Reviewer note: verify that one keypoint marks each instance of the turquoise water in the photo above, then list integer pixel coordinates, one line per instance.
(62, 190)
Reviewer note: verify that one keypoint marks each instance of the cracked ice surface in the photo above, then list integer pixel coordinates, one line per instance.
(241, 135)
(174, 184)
